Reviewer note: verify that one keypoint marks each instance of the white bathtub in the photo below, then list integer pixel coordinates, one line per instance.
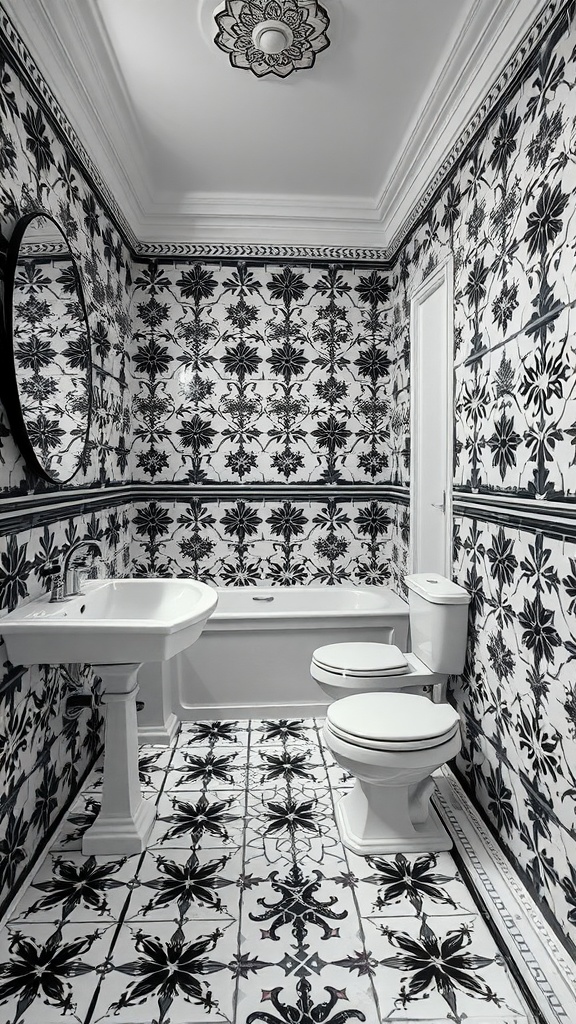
(253, 658)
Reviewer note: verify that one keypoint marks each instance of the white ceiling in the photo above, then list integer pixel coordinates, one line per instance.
(197, 151)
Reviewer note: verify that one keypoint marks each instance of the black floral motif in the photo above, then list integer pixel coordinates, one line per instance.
(196, 819)
(545, 222)
(43, 969)
(288, 765)
(186, 884)
(540, 634)
(415, 880)
(288, 286)
(432, 963)
(74, 885)
(170, 969)
(283, 730)
(37, 141)
(290, 816)
(206, 768)
(15, 569)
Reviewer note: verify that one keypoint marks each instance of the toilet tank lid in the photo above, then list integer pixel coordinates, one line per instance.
(437, 589)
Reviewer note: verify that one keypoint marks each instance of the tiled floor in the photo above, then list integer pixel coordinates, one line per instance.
(246, 908)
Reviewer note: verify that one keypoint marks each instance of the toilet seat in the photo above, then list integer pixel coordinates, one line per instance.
(361, 659)
(392, 721)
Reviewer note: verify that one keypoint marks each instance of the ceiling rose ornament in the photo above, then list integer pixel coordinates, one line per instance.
(275, 37)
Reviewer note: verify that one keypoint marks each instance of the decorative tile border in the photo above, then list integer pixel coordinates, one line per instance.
(541, 962)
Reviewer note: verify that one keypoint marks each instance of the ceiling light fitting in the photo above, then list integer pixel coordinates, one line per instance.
(277, 37)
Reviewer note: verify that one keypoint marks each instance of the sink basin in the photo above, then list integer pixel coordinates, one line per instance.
(114, 622)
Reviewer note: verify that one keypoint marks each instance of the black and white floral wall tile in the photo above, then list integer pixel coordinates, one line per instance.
(518, 689)
(47, 742)
(39, 172)
(507, 220)
(278, 542)
(262, 374)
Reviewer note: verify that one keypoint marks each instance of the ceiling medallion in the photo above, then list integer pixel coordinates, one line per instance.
(275, 37)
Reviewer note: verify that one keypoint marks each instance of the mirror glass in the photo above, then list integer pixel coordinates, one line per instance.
(48, 389)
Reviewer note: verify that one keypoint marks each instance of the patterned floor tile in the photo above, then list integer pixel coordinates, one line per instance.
(285, 765)
(51, 972)
(408, 885)
(70, 887)
(246, 903)
(201, 820)
(205, 767)
(226, 733)
(287, 732)
(197, 885)
(164, 972)
(290, 822)
(440, 965)
(300, 895)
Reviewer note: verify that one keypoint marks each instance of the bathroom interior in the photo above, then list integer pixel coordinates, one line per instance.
(224, 228)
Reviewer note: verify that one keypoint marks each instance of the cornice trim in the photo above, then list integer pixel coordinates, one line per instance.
(516, 69)
(234, 226)
(18, 54)
(230, 252)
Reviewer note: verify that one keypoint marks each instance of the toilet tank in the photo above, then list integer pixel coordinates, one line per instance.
(438, 621)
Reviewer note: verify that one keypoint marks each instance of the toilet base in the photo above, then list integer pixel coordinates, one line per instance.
(368, 833)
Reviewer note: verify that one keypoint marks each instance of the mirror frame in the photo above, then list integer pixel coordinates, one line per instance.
(9, 391)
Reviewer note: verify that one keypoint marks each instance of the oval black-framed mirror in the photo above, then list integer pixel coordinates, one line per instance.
(46, 384)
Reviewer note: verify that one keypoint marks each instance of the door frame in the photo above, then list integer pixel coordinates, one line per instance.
(441, 276)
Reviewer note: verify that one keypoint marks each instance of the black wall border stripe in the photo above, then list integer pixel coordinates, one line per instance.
(24, 512)
(553, 518)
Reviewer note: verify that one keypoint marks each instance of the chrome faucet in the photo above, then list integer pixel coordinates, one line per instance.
(72, 561)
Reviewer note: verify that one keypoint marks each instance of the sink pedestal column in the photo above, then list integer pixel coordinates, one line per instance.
(125, 819)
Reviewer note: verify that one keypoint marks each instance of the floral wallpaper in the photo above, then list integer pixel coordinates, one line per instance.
(48, 736)
(266, 385)
(275, 374)
(251, 541)
(507, 217)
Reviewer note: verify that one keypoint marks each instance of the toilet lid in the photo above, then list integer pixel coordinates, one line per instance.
(357, 659)
(378, 720)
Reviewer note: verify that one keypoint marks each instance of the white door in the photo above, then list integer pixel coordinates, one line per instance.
(431, 391)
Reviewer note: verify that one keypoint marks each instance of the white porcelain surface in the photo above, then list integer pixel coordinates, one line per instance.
(116, 621)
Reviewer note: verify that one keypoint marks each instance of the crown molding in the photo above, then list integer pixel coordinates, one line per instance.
(72, 54)
(274, 219)
(91, 107)
(490, 50)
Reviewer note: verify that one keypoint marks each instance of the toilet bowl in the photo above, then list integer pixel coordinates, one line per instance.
(391, 743)
(384, 728)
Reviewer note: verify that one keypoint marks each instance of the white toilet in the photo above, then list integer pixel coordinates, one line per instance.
(383, 729)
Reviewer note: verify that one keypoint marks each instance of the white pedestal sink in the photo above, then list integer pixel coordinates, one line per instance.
(117, 625)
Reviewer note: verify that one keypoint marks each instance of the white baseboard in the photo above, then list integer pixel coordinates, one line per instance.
(546, 968)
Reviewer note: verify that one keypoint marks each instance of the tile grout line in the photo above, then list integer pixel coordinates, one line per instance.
(347, 862)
